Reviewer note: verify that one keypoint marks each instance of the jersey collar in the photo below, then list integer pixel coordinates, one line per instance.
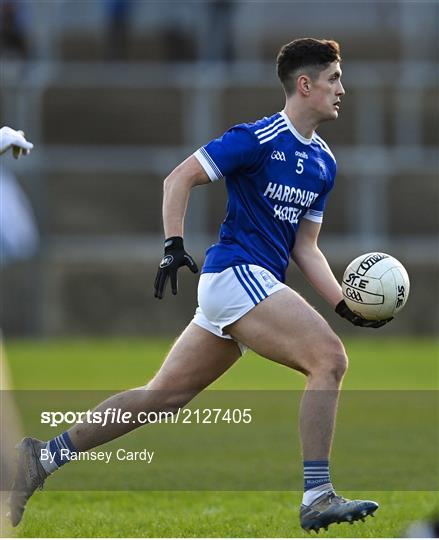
(293, 130)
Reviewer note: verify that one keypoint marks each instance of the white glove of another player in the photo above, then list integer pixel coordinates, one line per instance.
(15, 139)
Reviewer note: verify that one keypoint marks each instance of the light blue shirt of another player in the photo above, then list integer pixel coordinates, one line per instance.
(275, 177)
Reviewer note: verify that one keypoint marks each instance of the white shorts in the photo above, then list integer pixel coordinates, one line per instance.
(224, 297)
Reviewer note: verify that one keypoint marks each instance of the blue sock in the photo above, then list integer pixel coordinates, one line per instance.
(57, 453)
(316, 473)
(317, 480)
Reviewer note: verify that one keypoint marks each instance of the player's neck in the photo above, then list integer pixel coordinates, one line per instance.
(302, 121)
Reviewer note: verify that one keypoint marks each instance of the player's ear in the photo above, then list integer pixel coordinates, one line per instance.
(304, 85)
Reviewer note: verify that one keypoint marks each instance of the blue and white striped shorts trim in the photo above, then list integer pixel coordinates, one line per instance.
(224, 297)
(249, 283)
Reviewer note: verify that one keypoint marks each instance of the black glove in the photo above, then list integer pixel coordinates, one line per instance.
(343, 310)
(175, 257)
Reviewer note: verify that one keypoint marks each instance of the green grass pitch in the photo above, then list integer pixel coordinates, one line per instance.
(396, 364)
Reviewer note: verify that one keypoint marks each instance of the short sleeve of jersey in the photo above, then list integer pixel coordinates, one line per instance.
(315, 211)
(236, 149)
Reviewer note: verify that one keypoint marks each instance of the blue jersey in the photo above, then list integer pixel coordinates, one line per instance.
(275, 177)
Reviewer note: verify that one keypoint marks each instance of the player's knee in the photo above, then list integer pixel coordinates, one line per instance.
(338, 360)
(175, 400)
(332, 361)
(165, 397)
(339, 365)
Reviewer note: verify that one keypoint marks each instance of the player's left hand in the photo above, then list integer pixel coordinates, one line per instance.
(15, 139)
(175, 257)
(343, 310)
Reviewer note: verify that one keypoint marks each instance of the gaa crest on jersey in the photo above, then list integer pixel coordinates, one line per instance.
(277, 154)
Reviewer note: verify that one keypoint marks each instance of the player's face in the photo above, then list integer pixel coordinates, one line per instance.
(326, 93)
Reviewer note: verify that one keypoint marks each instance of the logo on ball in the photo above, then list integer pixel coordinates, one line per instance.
(353, 294)
(376, 286)
(369, 261)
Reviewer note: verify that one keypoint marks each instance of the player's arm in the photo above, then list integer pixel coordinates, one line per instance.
(313, 263)
(177, 187)
(176, 191)
(10, 138)
(316, 269)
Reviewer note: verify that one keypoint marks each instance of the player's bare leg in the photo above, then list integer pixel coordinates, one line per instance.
(287, 330)
(195, 361)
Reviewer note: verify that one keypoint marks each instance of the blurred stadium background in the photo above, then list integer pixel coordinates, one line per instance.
(114, 94)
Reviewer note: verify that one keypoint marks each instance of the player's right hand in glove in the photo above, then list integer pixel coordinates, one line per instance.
(343, 310)
(15, 139)
(175, 256)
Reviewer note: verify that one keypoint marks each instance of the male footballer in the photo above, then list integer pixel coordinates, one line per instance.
(278, 174)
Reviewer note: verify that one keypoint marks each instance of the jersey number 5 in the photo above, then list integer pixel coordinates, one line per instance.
(299, 167)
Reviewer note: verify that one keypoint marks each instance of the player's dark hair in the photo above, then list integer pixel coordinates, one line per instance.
(307, 54)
